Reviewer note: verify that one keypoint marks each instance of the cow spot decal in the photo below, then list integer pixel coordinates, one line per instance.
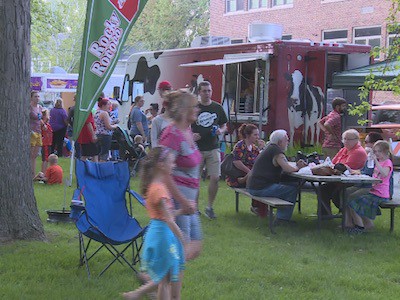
(149, 76)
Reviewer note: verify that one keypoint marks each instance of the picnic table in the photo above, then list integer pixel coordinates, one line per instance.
(316, 182)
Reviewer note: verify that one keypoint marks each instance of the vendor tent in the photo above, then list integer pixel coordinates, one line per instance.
(352, 79)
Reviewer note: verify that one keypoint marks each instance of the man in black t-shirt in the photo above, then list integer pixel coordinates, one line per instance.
(265, 176)
(210, 123)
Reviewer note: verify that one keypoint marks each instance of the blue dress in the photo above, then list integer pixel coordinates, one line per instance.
(162, 252)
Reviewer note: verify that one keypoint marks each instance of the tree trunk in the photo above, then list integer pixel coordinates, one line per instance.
(19, 217)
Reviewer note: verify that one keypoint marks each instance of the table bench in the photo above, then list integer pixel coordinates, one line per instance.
(392, 204)
(271, 202)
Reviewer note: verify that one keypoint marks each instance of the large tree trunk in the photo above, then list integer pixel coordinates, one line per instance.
(19, 217)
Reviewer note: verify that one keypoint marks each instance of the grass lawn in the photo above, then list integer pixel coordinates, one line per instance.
(241, 259)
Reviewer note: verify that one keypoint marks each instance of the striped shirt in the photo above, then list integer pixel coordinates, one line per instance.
(188, 156)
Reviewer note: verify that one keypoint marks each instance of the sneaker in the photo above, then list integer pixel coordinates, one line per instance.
(355, 230)
(210, 213)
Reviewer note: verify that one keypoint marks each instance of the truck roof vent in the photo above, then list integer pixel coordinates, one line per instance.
(209, 40)
(265, 32)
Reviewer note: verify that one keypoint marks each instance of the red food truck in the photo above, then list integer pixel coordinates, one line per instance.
(278, 84)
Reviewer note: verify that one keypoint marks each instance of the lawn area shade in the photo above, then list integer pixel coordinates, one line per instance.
(355, 78)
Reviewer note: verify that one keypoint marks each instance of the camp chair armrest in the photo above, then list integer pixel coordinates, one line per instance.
(138, 197)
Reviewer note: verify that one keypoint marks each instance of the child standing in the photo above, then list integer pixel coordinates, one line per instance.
(47, 139)
(53, 174)
(362, 210)
(163, 256)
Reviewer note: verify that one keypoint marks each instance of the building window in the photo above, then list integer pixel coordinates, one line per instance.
(234, 5)
(336, 36)
(281, 2)
(368, 36)
(393, 34)
(286, 37)
(253, 4)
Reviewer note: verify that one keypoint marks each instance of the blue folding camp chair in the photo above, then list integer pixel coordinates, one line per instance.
(105, 218)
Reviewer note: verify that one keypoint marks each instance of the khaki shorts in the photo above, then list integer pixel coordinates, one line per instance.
(212, 161)
(36, 139)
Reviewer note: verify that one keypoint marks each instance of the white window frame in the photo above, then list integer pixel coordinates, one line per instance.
(236, 10)
(259, 4)
(337, 40)
(369, 37)
(283, 4)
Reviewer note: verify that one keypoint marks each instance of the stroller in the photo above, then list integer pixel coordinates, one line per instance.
(128, 151)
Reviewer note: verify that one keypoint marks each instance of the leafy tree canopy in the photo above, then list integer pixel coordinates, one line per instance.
(56, 33)
(169, 24)
(390, 53)
(57, 29)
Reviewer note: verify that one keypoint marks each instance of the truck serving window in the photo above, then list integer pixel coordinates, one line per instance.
(242, 87)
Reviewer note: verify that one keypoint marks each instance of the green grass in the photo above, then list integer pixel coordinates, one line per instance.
(241, 259)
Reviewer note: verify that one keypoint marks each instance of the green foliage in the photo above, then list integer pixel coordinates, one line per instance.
(390, 53)
(166, 24)
(292, 151)
(360, 111)
(241, 259)
(56, 33)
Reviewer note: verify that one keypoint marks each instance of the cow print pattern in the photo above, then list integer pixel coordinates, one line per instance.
(148, 75)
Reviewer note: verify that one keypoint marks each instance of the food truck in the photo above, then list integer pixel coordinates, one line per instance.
(276, 84)
(53, 85)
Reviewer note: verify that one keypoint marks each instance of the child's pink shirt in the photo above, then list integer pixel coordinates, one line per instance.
(382, 189)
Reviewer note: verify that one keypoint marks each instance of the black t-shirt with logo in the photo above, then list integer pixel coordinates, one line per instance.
(209, 115)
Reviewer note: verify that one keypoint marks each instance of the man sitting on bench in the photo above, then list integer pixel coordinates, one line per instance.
(265, 177)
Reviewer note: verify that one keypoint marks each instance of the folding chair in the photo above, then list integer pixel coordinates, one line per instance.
(105, 218)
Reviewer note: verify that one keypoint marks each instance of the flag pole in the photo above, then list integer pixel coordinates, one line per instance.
(71, 166)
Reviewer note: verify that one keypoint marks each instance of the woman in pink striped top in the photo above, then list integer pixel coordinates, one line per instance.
(178, 137)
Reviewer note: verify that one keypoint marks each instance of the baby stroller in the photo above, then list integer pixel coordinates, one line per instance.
(128, 151)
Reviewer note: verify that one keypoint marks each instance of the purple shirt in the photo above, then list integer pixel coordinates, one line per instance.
(58, 118)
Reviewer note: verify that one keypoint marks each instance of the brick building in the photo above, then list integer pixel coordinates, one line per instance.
(344, 21)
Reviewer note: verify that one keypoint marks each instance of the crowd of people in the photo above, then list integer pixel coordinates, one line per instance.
(51, 129)
(183, 140)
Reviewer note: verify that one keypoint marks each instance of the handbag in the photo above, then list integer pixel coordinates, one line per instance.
(229, 169)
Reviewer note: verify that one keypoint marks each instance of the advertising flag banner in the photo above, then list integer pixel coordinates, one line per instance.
(107, 26)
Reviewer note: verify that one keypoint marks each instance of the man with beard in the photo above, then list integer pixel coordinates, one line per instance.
(331, 125)
(265, 178)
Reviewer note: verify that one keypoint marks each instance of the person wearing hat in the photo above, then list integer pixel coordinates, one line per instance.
(162, 120)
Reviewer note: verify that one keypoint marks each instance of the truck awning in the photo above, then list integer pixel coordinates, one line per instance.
(386, 107)
(226, 60)
(352, 79)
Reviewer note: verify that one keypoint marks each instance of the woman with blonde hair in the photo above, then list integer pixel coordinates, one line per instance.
(58, 122)
(178, 138)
